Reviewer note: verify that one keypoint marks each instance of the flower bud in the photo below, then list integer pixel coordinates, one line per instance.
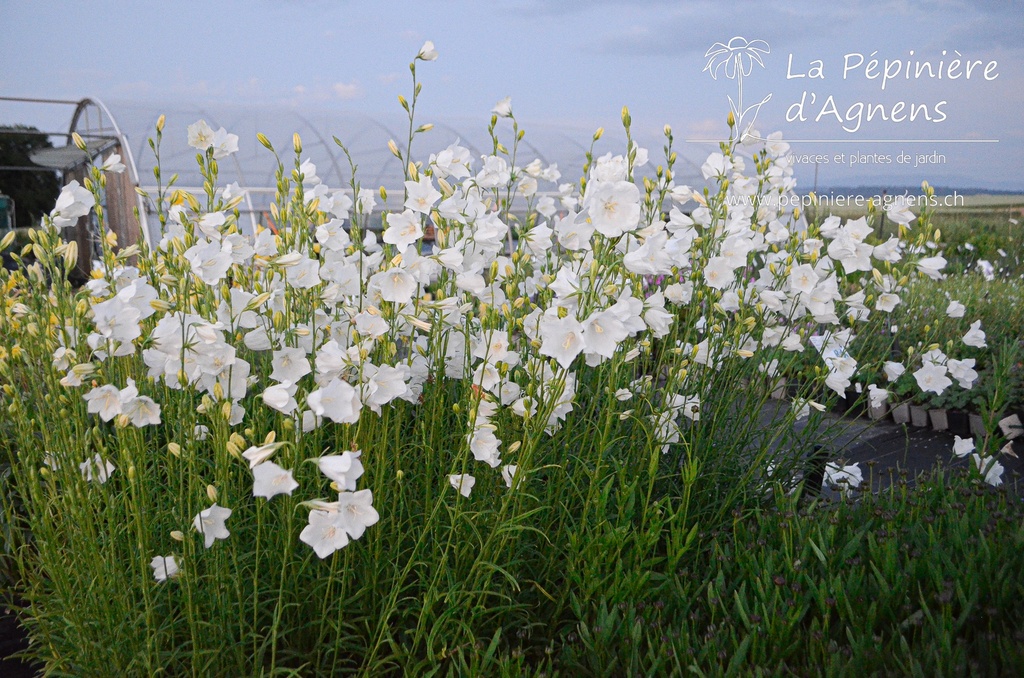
(192, 201)
(257, 301)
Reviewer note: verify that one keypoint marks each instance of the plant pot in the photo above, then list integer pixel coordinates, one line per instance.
(939, 419)
(977, 425)
(857, 405)
(959, 423)
(1011, 427)
(901, 413)
(918, 416)
(779, 390)
(842, 405)
(876, 413)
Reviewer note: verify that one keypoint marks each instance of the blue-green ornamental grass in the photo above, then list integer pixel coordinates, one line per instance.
(318, 450)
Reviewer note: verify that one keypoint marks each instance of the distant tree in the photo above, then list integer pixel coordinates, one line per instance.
(34, 192)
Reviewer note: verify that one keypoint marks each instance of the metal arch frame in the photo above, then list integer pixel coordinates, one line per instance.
(473, 148)
(445, 127)
(369, 123)
(328, 149)
(129, 157)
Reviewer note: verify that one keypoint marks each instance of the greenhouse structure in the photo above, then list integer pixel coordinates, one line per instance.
(126, 128)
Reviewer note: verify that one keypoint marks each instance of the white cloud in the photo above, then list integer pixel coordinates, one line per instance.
(705, 128)
(321, 93)
(348, 90)
(249, 88)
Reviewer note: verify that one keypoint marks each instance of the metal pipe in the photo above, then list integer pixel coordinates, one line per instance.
(30, 100)
(35, 168)
(37, 133)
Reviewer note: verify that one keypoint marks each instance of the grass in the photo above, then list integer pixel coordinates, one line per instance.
(921, 580)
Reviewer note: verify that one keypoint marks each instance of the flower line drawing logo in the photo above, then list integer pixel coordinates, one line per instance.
(737, 59)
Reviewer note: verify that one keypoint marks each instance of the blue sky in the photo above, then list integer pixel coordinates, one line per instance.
(562, 61)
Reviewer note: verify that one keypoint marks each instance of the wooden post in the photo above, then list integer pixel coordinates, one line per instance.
(120, 206)
(119, 214)
(81, 228)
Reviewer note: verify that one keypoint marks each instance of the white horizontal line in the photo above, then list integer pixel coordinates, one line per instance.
(863, 141)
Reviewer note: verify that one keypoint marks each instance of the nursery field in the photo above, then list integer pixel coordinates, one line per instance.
(534, 448)
(986, 228)
(990, 209)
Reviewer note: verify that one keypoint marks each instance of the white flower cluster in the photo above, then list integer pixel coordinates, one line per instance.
(513, 305)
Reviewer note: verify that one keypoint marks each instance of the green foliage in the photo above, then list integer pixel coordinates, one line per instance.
(983, 235)
(441, 585)
(919, 580)
(923, 323)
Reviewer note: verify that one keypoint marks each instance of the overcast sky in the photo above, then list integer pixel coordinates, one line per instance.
(563, 61)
